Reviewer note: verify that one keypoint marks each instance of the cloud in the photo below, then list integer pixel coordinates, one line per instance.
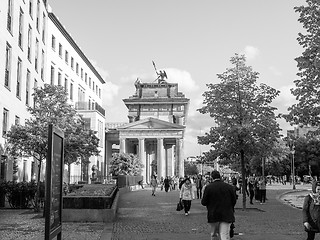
(183, 78)
(275, 71)
(103, 73)
(110, 91)
(251, 52)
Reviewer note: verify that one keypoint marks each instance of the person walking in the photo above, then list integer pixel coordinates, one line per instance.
(186, 195)
(199, 186)
(311, 211)
(251, 189)
(262, 190)
(219, 198)
(166, 183)
(153, 184)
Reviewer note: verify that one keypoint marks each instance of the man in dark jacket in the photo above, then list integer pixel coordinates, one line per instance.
(219, 198)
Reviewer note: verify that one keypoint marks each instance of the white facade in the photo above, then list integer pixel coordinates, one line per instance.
(22, 63)
(28, 59)
(68, 66)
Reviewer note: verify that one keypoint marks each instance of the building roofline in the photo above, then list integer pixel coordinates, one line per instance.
(56, 21)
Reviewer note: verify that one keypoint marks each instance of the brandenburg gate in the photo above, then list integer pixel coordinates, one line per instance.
(157, 113)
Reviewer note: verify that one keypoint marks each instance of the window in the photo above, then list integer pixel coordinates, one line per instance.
(36, 55)
(89, 82)
(66, 57)
(42, 64)
(35, 85)
(99, 92)
(81, 73)
(29, 43)
(81, 94)
(44, 28)
(85, 77)
(8, 66)
(17, 120)
(31, 8)
(72, 63)
(53, 43)
(66, 84)
(93, 85)
(18, 87)
(59, 78)
(9, 16)
(38, 15)
(71, 91)
(77, 68)
(20, 35)
(60, 50)
(28, 88)
(52, 76)
(5, 121)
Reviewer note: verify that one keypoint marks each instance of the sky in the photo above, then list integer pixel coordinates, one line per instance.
(192, 41)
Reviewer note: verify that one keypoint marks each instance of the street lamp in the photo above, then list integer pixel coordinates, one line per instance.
(293, 169)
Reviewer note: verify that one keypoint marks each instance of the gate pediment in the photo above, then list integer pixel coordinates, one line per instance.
(151, 124)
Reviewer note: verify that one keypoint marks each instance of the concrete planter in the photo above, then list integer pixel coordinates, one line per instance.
(90, 208)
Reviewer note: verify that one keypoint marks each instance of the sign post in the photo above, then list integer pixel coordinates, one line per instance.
(54, 178)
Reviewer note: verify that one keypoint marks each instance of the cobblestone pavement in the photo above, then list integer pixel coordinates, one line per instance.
(27, 225)
(143, 217)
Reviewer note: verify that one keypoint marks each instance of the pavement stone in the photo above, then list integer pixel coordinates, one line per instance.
(144, 217)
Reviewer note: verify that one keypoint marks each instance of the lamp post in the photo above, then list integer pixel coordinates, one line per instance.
(293, 170)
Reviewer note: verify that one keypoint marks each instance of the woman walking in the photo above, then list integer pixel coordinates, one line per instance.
(153, 184)
(186, 195)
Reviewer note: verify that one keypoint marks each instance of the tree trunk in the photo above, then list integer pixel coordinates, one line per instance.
(243, 175)
(36, 204)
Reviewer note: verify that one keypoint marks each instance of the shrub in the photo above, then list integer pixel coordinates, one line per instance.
(125, 164)
(21, 194)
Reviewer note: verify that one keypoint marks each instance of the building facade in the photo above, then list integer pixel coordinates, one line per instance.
(23, 42)
(36, 49)
(69, 67)
(157, 115)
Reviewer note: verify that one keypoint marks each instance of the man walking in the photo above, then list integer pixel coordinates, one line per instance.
(219, 198)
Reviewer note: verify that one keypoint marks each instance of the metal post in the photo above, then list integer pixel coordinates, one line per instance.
(293, 172)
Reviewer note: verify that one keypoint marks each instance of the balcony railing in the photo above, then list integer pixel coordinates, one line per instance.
(90, 106)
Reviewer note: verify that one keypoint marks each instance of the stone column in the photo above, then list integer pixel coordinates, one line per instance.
(179, 157)
(170, 160)
(160, 158)
(142, 156)
(122, 145)
(108, 156)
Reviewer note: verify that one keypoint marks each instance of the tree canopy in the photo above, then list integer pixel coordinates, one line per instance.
(51, 107)
(245, 122)
(307, 86)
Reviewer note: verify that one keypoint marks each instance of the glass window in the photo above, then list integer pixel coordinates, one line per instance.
(28, 87)
(18, 87)
(53, 43)
(8, 66)
(52, 75)
(9, 16)
(5, 121)
(20, 35)
(29, 43)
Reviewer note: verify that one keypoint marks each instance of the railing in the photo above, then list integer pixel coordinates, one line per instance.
(88, 106)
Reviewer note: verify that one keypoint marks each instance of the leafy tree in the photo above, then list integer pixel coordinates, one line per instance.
(190, 168)
(307, 87)
(246, 124)
(125, 164)
(51, 107)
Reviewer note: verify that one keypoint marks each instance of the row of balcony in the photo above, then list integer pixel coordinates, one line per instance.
(90, 106)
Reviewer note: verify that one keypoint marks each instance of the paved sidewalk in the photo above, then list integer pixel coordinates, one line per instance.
(144, 217)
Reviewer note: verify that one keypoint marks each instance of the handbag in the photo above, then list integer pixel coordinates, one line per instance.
(179, 206)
